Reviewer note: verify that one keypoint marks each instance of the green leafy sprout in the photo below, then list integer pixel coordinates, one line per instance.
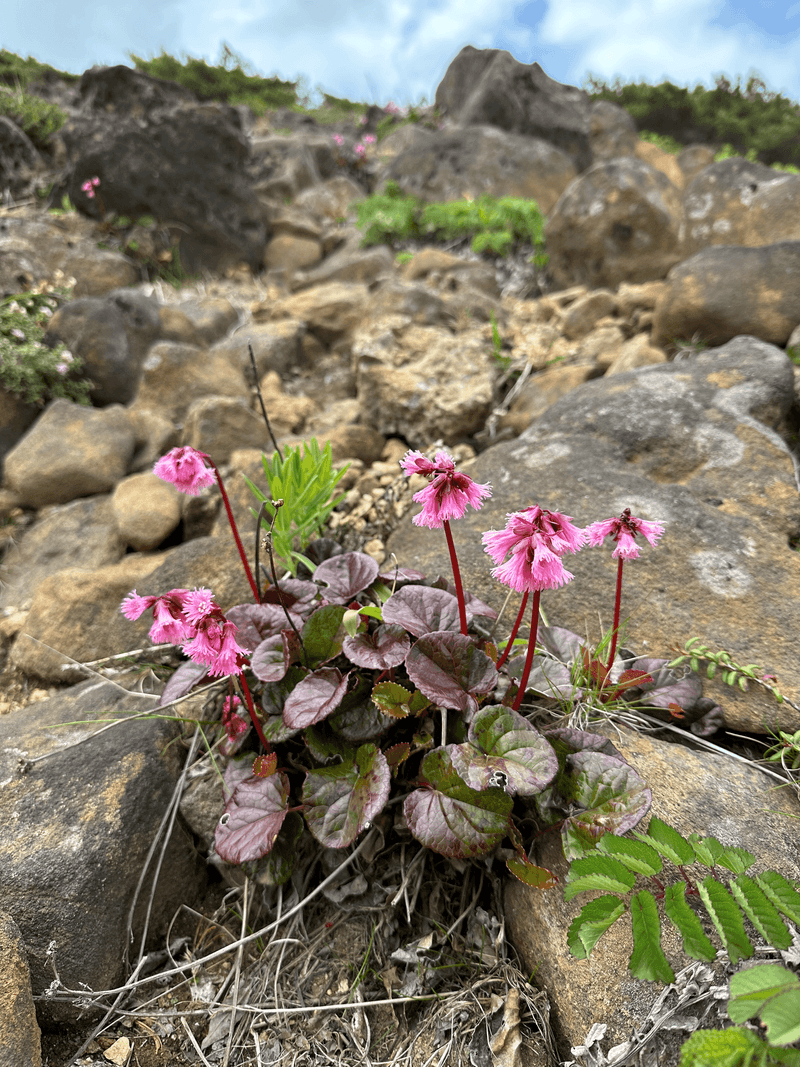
(730, 672)
(304, 480)
(29, 370)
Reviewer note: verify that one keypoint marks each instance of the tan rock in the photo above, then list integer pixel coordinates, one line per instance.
(662, 160)
(600, 347)
(175, 375)
(329, 310)
(581, 316)
(218, 425)
(290, 253)
(638, 352)
(330, 199)
(287, 414)
(717, 204)
(147, 509)
(694, 159)
(20, 1037)
(177, 326)
(98, 272)
(539, 392)
(631, 298)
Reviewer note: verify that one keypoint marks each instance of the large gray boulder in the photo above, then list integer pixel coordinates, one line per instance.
(488, 87)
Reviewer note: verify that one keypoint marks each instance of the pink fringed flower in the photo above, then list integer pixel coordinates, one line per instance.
(624, 530)
(449, 492)
(215, 646)
(170, 624)
(184, 467)
(198, 605)
(535, 539)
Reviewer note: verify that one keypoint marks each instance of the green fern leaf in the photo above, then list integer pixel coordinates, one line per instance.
(597, 872)
(695, 942)
(668, 842)
(636, 855)
(726, 917)
(761, 913)
(588, 927)
(648, 961)
(782, 893)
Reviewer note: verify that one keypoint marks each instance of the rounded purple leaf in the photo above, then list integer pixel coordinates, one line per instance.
(252, 818)
(316, 697)
(347, 575)
(504, 750)
(450, 670)
(422, 610)
(386, 647)
(256, 622)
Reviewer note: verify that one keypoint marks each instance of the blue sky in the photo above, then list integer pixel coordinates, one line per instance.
(381, 50)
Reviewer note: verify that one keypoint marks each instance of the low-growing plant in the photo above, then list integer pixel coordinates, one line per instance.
(36, 117)
(612, 865)
(29, 369)
(364, 685)
(497, 225)
(503, 362)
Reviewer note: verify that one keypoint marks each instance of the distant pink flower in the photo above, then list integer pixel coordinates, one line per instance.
(370, 138)
(535, 539)
(89, 186)
(338, 138)
(359, 149)
(62, 368)
(184, 467)
(624, 530)
(449, 492)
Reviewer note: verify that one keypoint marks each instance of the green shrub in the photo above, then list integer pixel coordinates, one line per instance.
(29, 369)
(18, 72)
(668, 144)
(750, 118)
(34, 116)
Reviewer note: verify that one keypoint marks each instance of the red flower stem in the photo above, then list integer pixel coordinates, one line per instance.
(462, 609)
(511, 639)
(236, 536)
(253, 716)
(617, 604)
(526, 670)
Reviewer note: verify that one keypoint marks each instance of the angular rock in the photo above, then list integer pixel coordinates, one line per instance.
(111, 336)
(346, 265)
(661, 160)
(483, 87)
(276, 347)
(15, 418)
(617, 222)
(330, 311)
(694, 159)
(612, 131)
(580, 318)
(330, 199)
(20, 1037)
(79, 825)
(722, 292)
(477, 160)
(70, 451)
(539, 393)
(218, 425)
(82, 534)
(424, 384)
(146, 510)
(690, 444)
(211, 317)
(175, 375)
(696, 792)
(637, 352)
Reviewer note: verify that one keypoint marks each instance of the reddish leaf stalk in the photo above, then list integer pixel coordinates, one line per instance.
(462, 609)
(531, 649)
(236, 537)
(617, 603)
(513, 636)
(253, 717)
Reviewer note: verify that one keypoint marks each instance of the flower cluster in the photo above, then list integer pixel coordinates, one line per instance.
(449, 492)
(536, 539)
(184, 467)
(623, 531)
(89, 187)
(193, 621)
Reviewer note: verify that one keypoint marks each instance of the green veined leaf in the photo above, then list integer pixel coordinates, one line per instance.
(695, 942)
(668, 842)
(707, 849)
(771, 992)
(736, 860)
(636, 855)
(724, 1048)
(782, 893)
(648, 961)
(726, 917)
(597, 872)
(760, 911)
(595, 918)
